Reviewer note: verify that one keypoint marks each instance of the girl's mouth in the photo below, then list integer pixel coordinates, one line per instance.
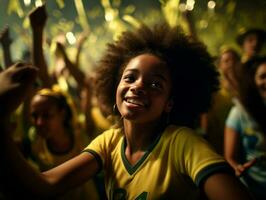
(135, 101)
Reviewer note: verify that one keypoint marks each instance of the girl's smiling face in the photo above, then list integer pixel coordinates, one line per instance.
(143, 92)
(260, 80)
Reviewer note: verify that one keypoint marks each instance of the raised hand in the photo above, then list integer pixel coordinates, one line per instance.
(38, 17)
(5, 36)
(241, 169)
(15, 82)
(6, 41)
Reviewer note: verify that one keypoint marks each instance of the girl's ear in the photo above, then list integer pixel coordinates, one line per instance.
(169, 105)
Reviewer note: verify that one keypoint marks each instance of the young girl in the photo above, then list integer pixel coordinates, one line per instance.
(55, 136)
(157, 81)
(213, 122)
(245, 139)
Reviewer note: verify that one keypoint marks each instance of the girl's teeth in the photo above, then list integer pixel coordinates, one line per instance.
(133, 101)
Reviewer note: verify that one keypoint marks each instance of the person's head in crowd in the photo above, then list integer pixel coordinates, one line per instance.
(51, 112)
(252, 88)
(191, 81)
(228, 63)
(251, 42)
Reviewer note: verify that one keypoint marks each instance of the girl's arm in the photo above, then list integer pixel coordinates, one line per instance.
(6, 41)
(74, 69)
(231, 152)
(38, 19)
(50, 183)
(15, 82)
(223, 186)
(231, 148)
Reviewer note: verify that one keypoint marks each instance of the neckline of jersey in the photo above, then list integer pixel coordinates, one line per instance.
(131, 169)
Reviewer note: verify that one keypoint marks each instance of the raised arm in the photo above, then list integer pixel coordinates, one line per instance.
(38, 19)
(85, 86)
(15, 82)
(6, 42)
(191, 24)
(80, 43)
(74, 69)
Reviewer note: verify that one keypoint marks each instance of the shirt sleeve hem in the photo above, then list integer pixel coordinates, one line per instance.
(211, 169)
(96, 156)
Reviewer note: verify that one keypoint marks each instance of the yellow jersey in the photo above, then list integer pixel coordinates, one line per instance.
(172, 167)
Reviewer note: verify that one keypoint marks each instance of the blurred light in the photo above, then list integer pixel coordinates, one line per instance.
(38, 3)
(109, 15)
(203, 24)
(211, 4)
(190, 5)
(116, 3)
(82, 15)
(27, 2)
(130, 9)
(190, 2)
(182, 7)
(113, 25)
(60, 3)
(131, 20)
(92, 38)
(71, 38)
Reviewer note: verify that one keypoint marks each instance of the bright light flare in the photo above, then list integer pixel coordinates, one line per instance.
(211, 4)
(71, 38)
(182, 7)
(38, 3)
(203, 24)
(190, 4)
(27, 2)
(110, 15)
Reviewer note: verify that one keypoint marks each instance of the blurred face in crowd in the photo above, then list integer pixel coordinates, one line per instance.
(229, 61)
(260, 80)
(46, 116)
(251, 45)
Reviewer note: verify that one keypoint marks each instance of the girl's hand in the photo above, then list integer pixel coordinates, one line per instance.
(240, 169)
(38, 17)
(5, 36)
(14, 85)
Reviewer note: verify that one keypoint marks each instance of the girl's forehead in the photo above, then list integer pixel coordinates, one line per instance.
(146, 62)
(43, 101)
(261, 68)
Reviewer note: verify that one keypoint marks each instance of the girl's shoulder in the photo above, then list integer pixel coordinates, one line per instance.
(111, 135)
(181, 133)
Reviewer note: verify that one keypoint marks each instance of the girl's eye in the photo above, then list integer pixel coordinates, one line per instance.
(129, 78)
(156, 85)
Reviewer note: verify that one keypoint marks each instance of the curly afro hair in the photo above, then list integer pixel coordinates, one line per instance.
(193, 73)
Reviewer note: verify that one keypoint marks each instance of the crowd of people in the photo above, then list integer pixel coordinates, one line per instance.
(130, 129)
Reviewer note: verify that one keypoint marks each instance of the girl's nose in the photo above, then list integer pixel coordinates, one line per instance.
(138, 87)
